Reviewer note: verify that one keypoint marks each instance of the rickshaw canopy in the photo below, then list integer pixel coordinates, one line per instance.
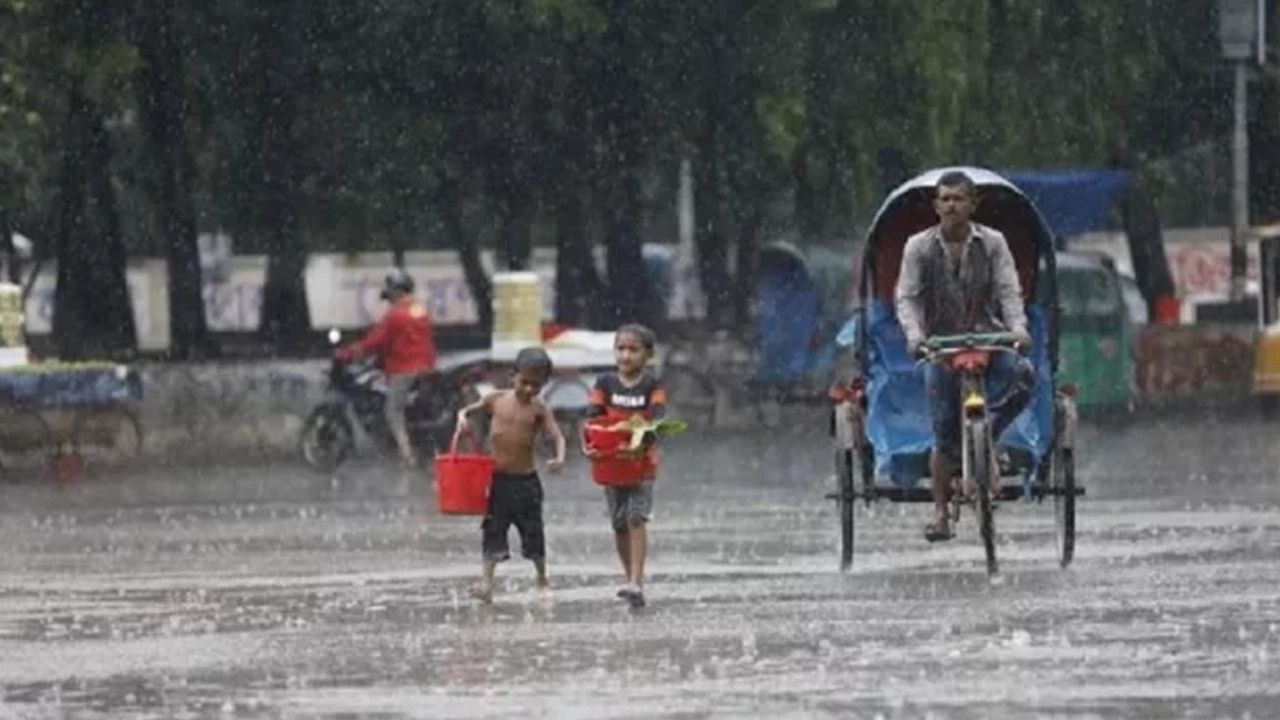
(1001, 205)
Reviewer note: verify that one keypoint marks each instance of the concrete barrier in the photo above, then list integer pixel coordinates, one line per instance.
(220, 410)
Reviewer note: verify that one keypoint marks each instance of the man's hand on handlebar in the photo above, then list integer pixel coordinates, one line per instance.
(1022, 342)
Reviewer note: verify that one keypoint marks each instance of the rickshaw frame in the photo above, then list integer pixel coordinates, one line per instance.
(1053, 473)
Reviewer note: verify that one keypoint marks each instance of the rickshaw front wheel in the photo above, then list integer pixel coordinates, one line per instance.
(1064, 504)
(846, 484)
(981, 466)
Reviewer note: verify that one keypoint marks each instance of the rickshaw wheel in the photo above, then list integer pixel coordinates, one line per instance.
(1064, 504)
(981, 465)
(853, 478)
(867, 457)
(855, 471)
(846, 470)
(855, 462)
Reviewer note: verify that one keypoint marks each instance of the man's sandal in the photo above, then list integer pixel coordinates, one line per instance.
(933, 532)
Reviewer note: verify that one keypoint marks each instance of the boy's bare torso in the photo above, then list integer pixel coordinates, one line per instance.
(513, 432)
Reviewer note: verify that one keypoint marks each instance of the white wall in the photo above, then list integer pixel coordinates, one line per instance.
(342, 291)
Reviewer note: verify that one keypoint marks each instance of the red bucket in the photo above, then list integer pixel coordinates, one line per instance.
(462, 480)
(610, 468)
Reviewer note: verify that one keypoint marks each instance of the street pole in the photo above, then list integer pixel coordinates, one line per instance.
(1242, 34)
(1240, 184)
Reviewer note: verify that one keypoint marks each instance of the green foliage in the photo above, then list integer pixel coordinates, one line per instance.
(511, 99)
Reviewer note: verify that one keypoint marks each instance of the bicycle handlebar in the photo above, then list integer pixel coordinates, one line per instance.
(971, 341)
(939, 346)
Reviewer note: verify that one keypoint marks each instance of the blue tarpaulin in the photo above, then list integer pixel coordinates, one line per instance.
(71, 387)
(898, 424)
(1073, 201)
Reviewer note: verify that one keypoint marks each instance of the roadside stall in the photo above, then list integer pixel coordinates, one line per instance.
(56, 414)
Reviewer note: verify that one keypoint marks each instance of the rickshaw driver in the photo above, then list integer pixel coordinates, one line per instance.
(954, 278)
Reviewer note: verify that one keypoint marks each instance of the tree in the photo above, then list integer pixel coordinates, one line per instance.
(274, 156)
(162, 99)
(93, 315)
(622, 117)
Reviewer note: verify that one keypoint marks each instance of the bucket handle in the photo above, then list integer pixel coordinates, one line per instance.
(470, 435)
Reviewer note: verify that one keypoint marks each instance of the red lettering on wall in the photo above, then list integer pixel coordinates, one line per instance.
(1194, 360)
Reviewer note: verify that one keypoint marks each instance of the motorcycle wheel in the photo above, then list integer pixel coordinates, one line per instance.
(327, 438)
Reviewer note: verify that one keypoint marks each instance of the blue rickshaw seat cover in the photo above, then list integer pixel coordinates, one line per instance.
(898, 420)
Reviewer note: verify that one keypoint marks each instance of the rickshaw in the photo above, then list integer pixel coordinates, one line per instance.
(880, 414)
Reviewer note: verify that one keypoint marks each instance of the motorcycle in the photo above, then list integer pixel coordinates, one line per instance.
(357, 395)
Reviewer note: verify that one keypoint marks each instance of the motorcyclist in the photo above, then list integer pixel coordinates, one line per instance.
(405, 339)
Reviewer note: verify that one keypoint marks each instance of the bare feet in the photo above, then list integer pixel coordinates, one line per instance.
(482, 592)
(541, 583)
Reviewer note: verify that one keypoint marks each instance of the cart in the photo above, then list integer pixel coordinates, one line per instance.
(59, 414)
(880, 413)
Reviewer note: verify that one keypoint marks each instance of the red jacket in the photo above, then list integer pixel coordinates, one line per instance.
(404, 337)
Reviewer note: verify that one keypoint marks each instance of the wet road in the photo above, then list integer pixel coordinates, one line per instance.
(272, 593)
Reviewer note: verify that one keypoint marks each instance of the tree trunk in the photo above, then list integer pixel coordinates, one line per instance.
(709, 232)
(397, 248)
(13, 269)
(824, 196)
(579, 291)
(624, 263)
(750, 216)
(450, 200)
(515, 234)
(286, 319)
(710, 188)
(93, 315)
(164, 111)
(623, 113)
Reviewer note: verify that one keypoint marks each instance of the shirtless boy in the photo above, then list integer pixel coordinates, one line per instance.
(515, 497)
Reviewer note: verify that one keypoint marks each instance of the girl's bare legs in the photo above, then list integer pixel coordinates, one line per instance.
(622, 539)
(638, 535)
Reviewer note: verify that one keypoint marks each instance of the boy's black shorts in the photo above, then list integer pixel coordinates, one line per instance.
(514, 500)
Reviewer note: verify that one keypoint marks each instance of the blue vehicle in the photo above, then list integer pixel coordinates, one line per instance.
(880, 421)
(801, 299)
